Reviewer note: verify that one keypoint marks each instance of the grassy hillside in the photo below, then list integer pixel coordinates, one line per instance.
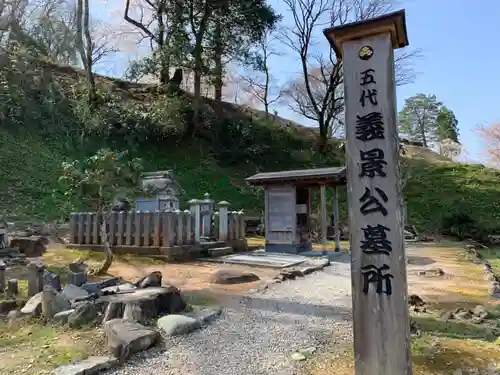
(44, 122)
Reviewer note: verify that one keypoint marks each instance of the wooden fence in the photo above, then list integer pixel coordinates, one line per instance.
(159, 229)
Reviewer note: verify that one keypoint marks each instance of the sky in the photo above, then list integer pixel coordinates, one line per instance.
(460, 61)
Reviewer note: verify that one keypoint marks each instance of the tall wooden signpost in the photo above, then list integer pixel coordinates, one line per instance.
(378, 265)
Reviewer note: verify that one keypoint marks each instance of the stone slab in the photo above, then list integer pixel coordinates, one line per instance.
(260, 259)
(89, 366)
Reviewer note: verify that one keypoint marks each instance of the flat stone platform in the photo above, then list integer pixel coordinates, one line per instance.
(260, 258)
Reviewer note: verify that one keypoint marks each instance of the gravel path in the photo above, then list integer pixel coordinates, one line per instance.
(256, 334)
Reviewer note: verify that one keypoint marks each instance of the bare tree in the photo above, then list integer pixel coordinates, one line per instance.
(49, 28)
(103, 43)
(233, 89)
(308, 16)
(260, 84)
(317, 94)
(85, 48)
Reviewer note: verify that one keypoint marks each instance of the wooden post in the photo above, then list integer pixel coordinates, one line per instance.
(336, 217)
(73, 226)
(112, 228)
(128, 226)
(88, 228)
(137, 228)
(157, 229)
(80, 226)
(378, 265)
(146, 234)
(96, 232)
(121, 227)
(323, 219)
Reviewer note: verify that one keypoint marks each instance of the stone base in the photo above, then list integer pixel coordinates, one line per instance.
(169, 254)
(282, 248)
(238, 245)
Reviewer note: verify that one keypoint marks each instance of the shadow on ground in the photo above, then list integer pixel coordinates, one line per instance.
(419, 261)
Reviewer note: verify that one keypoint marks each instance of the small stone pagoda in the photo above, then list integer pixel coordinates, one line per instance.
(168, 191)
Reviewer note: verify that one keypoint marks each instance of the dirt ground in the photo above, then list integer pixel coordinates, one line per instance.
(462, 283)
(442, 347)
(194, 276)
(28, 347)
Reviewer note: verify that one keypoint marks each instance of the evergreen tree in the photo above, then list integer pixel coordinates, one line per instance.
(417, 119)
(446, 125)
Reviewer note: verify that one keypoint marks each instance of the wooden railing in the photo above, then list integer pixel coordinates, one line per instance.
(159, 229)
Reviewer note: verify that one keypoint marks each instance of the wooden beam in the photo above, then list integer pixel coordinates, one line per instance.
(336, 217)
(323, 216)
(392, 24)
(382, 342)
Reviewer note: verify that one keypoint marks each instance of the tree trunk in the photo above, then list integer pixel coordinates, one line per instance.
(164, 70)
(83, 28)
(106, 246)
(323, 136)
(266, 88)
(198, 71)
(194, 124)
(218, 64)
(164, 55)
(89, 50)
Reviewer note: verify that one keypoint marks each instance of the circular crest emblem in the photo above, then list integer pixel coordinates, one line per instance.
(365, 53)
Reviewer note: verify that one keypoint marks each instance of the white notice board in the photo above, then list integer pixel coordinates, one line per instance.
(281, 209)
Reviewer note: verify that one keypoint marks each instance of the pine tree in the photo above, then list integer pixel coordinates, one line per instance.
(446, 125)
(417, 119)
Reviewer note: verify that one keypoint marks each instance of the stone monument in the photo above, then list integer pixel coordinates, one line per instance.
(167, 191)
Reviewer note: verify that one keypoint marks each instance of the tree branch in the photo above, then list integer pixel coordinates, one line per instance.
(137, 24)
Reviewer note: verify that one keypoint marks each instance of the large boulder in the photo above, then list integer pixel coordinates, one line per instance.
(232, 277)
(125, 338)
(173, 325)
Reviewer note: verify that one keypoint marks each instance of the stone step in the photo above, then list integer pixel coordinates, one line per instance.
(220, 251)
(205, 245)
